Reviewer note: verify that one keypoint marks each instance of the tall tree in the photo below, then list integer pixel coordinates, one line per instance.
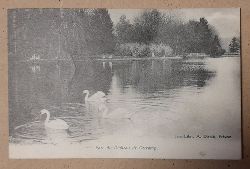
(170, 32)
(124, 30)
(201, 37)
(234, 45)
(102, 28)
(215, 48)
(205, 36)
(146, 26)
(88, 32)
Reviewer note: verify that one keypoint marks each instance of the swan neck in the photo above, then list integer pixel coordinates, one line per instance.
(86, 96)
(47, 118)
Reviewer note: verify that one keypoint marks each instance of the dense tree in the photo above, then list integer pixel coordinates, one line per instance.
(155, 27)
(56, 33)
(215, 48)
(205, 36)
(234, 45)
(200, 37)
(146, 26)
(101, 32)
(88, 32)
(170, 32)
(82, 33)
(124, 30)
(33, 32)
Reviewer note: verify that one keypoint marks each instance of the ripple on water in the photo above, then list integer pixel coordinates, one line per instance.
(83, 126)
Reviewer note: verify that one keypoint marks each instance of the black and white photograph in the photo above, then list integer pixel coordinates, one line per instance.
(124, 83)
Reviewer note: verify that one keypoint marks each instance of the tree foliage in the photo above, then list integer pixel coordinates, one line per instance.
(234, 45)
(124, 30)
(153, 26)
(79, 33)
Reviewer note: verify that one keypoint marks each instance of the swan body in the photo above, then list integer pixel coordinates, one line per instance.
(119, 113)
(99, 96)
(57, 124)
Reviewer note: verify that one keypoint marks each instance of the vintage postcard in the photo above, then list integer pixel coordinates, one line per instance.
(124, 83)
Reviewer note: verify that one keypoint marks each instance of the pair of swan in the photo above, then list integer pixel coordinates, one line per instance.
(60, 124)
(99, 96)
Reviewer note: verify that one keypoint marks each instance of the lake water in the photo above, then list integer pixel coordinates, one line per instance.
(167, 98)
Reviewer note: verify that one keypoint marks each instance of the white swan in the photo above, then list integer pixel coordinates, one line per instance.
(119, 113)
(99, 96)
(57, 124)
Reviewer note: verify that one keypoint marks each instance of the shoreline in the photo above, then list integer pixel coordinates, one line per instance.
(124, 59)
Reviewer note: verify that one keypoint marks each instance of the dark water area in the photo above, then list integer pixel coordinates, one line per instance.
(168, 94)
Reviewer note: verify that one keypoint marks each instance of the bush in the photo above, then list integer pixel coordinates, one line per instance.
(161, 50)
(123, 50)
(142, 50)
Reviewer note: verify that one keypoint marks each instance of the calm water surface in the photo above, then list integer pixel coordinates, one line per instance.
(167, 98)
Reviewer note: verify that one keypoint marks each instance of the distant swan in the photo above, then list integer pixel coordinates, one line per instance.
(57, 124)
(119, 113)
(99, 96)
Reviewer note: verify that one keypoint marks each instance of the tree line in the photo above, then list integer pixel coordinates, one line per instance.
(155, 27)
(60, 33)
(84, 33)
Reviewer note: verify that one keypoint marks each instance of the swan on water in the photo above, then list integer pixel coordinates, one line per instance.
(54, 124)
(99, 96)
(119, 113)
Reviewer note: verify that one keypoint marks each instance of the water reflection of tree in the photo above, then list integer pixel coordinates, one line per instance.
(90, 76)
(60, 82)
(150, 76)
(30, 92)
(195, 73)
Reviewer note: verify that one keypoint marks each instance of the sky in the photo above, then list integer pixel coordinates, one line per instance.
(225, 20)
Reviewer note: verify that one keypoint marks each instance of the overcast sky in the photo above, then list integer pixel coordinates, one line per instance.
(225, 20)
